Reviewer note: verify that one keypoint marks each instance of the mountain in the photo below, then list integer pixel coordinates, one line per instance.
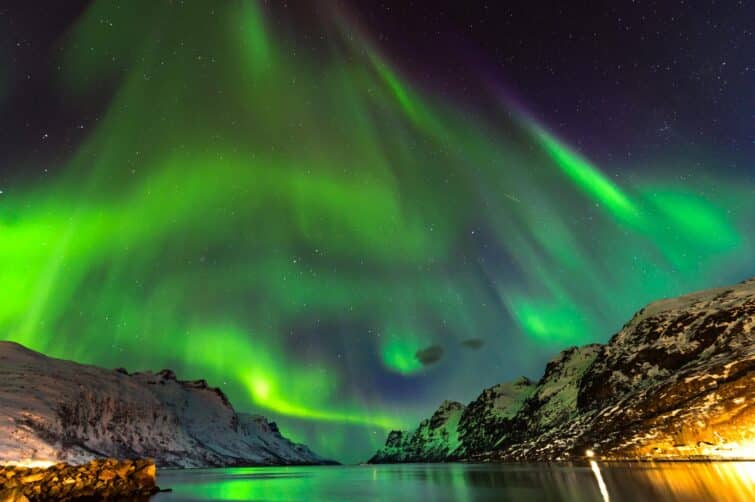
(432, 441)
(491, 416)
(51, 409)
(676, 382)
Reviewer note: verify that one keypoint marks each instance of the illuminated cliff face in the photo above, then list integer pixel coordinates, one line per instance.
(720, 424)
(678, 380)
(725, 432)
(294, 219)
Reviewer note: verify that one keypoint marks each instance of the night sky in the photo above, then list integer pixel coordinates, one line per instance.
(343, 213)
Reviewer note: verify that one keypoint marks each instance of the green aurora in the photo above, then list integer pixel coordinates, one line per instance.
(294, 225)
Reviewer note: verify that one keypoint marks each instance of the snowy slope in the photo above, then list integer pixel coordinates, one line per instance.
(51, 409)
(555, 399)
(489, 418)
(677, 381)
(432, 441)
(553, 402)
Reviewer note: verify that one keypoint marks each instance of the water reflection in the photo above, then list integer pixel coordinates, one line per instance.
(720, 481)
(599, 479)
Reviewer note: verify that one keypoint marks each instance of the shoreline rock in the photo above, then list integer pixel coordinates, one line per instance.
(97, 480)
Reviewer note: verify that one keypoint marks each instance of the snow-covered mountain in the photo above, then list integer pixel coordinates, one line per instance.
(677, 381)
(489, 417)
(433, 441)
(52, 409)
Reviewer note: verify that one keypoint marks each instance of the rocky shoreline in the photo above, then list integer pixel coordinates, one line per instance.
(97, 480)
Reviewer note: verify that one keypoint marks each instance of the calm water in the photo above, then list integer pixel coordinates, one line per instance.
(720, 481)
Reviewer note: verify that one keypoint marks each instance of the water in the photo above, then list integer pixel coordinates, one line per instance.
(719, 481)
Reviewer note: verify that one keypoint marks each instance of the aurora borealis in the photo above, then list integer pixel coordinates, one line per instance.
(263, 197)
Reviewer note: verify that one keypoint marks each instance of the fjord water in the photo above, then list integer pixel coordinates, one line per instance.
(689, 481)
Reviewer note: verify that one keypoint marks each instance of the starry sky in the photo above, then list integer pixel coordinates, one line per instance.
(343, 213)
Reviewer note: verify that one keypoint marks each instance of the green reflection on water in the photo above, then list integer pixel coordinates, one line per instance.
(678, 481)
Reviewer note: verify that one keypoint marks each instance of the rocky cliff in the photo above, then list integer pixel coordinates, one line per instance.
(56, 410)
(676, 382)
(491, 416)
(433, 441)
